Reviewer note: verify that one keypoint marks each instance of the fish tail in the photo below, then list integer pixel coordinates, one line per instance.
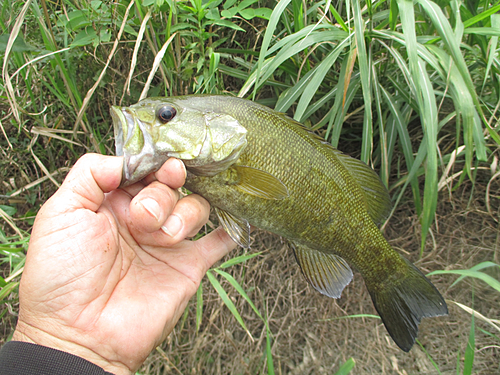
(403, 301)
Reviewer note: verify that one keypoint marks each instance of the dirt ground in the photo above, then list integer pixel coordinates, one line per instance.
(310, 332)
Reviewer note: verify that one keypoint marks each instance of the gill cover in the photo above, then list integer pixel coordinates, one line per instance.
(207, 142)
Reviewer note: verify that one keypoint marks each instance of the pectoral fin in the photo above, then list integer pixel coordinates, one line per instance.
(329, 274)
(238, 229)
(259, 183)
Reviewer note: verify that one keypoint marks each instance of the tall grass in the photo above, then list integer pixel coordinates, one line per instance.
(405, 71)
(367, 76)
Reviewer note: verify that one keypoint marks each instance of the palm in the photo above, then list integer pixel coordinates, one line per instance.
(107, 284)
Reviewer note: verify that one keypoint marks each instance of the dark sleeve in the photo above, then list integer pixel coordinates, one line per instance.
(23, 358)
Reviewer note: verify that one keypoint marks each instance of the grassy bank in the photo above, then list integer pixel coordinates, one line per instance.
(410, 88)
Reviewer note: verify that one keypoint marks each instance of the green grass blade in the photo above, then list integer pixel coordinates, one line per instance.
(288, 97)
(291, 48)
(444, 29)
(430, 123)
(393, 15)
(428, 115)
(492, 47)
(271, 27)
(319, 74)
(408, 23)
(7, 289)
(459, 26)
(336, 127)
(405, 143)
(492, 282)
(339, 19)
(347, 367)
(404, 38)
(199, 306)
(384, 160)
(465, 107)
(359, 28)
(240, 290)
(252, 80)
(469, 351)
(239, 259)
(225, 298)
(298, 14)
(302, 35)
(484, 31)
(403, 67)
(481, 16)
(269, 353)
(320, 102)
(477, 267)
(416, 170)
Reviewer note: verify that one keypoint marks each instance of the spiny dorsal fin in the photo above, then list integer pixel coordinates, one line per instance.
(327, 273)
(376, 197)
(238, 229)
(259, 183)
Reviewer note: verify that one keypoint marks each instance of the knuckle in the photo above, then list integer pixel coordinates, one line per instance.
(199, 207)
(166, 195)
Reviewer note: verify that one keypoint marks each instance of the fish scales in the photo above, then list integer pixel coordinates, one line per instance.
(305, 216)
(259, 167)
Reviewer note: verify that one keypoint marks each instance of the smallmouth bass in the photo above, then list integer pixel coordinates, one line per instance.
(256, 166)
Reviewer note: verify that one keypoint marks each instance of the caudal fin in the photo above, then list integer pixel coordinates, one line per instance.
(403, 302)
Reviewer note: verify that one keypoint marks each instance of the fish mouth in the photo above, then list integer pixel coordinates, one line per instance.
(119, 121)
(135, 144)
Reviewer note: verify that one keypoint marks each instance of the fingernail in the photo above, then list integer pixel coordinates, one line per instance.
(172, 226)
(152, 207)
(183, 168)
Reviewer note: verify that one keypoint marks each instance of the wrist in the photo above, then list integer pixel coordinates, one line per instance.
(34, 335)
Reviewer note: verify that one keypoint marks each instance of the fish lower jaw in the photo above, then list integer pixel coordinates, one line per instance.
(118, 122)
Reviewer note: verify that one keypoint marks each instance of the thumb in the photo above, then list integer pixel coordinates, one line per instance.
(91, 177)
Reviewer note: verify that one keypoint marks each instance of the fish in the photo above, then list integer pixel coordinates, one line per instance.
(259, 167)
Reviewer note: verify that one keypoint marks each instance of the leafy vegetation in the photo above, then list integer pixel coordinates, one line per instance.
(414, 86)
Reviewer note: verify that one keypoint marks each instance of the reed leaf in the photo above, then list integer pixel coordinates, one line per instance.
(444, 29)
(470, 350)
(364, 63)
(227, 301)
(271, 27)
(239, 288)
(319, 74)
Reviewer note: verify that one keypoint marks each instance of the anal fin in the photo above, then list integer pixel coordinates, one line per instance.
(329, 274)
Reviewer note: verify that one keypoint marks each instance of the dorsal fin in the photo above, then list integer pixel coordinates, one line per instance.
(375, 195)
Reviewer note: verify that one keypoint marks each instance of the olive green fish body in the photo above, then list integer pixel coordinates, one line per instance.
(324, 209)
(259, 167)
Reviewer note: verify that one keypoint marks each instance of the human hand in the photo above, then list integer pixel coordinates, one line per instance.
(102, 279)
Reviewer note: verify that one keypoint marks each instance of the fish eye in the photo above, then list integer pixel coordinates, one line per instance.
(166, 113)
